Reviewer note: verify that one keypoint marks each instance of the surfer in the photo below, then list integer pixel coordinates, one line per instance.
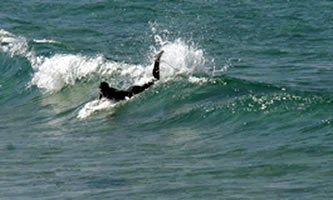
(114, 94)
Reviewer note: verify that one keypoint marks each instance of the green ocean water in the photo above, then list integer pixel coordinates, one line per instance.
(243, 110)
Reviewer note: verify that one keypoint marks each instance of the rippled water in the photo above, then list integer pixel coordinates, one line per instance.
(243, 109)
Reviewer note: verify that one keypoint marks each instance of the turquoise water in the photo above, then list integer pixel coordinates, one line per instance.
(244, 108)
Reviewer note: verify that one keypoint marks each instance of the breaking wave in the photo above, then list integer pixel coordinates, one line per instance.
(54, 73)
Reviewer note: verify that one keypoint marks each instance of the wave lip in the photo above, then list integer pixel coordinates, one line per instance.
(45, 41)
(12, 44)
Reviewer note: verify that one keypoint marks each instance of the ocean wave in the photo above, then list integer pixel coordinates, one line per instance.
(54, 73)
(51, 74)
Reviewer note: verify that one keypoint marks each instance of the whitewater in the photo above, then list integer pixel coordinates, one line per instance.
(52, 74)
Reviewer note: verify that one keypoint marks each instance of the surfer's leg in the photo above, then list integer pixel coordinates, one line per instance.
(156, 73)
(137, 89)
(156, 70)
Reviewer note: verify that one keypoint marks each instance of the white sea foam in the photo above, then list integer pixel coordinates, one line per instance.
(54, 73)
(194, 79)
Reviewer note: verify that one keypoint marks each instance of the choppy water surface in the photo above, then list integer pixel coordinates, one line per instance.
(243, 109)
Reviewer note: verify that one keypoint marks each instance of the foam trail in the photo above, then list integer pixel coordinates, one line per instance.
(45, 41)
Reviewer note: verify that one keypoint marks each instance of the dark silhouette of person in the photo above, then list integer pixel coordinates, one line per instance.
(117, 95)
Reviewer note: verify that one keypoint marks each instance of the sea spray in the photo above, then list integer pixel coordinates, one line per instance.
(180, 57)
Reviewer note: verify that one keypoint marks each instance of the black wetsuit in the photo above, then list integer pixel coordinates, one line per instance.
(116, 95)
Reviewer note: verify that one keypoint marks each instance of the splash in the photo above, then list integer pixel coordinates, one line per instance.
(180, 57)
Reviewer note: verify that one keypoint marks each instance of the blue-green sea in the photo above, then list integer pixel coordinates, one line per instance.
(243, 110)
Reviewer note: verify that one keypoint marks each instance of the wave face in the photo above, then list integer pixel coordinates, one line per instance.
(242, 110)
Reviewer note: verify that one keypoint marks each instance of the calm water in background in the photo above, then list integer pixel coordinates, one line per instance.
(244, 108)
